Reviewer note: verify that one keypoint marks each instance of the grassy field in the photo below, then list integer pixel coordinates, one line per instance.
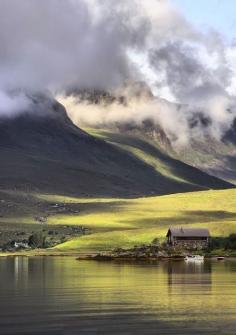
(124, 223)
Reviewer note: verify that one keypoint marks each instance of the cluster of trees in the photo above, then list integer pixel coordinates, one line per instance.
(37, 240)
(227, 243)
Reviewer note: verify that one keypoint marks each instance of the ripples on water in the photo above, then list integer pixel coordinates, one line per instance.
(59, 295)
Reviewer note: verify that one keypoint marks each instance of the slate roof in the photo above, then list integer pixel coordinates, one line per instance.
(189, 232)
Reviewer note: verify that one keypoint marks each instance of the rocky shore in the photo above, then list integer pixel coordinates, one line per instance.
(143, 252)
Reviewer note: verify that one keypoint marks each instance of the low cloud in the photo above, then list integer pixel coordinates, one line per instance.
(69, 46)
(13, 104)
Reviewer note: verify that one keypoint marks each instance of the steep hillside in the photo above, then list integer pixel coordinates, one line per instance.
(154, 154)
(214, 156)
(217, 158)
(42, 151)
(135, 111)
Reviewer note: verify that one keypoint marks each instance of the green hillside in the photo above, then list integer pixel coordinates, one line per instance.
(123, 223)
(153, 154)
(116, 222)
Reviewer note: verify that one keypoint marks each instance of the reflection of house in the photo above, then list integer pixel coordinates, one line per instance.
(188, 237)
(188, 276)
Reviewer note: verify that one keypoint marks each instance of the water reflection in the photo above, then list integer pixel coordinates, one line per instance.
(61, 295)
(187, 274)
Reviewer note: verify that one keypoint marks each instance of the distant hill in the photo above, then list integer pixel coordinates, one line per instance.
(150, 152)
(216, 157)
(41, 150)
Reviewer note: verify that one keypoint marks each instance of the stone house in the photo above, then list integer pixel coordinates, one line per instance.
(194, 238)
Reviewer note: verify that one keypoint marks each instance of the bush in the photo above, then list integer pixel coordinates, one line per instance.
(156, 241)
(217, 243)
(226, 243)
(37, 240)
(231, 242)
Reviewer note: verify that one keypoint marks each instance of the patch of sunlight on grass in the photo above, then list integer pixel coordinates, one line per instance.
(141, 220)
(63, 199)
(94, 221)
(126, 222)
(100, 133)
(110, 240)
(156, 163)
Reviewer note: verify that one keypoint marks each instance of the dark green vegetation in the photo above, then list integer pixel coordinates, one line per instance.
(24, 219)
(224, 246)
(225, 243)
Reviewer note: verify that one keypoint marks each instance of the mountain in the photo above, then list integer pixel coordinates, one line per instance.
(43, 151)
(216, 157)
(212, 156)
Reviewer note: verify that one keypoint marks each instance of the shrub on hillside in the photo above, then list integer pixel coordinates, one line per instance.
(231, 242)
(37, 240)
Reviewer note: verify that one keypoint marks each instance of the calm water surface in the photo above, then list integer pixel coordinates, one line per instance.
(59, 295)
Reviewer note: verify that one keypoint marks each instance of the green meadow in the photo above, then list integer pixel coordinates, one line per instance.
(117, 222)
(125, 223)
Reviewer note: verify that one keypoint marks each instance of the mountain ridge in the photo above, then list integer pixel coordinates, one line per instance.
(43, 151)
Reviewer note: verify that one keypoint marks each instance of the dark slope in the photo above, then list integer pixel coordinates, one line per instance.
(43, 151)
(186, 175)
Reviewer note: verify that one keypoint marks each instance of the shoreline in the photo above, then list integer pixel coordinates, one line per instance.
(95, 256)
(39, 252)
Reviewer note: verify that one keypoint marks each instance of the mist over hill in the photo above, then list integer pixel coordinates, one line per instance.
(134, 110)
(43, 151)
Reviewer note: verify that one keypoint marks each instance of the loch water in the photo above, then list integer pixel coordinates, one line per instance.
(61, 295)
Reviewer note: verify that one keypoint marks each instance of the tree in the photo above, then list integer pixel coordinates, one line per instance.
(37, 240)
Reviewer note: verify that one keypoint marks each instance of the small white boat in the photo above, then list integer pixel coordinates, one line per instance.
(194, 258)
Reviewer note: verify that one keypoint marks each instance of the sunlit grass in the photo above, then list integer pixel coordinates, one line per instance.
(127, 222)
(159, 165)
(141, 220)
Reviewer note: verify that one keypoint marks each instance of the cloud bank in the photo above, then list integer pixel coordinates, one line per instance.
(68, 43)
(72, 45)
